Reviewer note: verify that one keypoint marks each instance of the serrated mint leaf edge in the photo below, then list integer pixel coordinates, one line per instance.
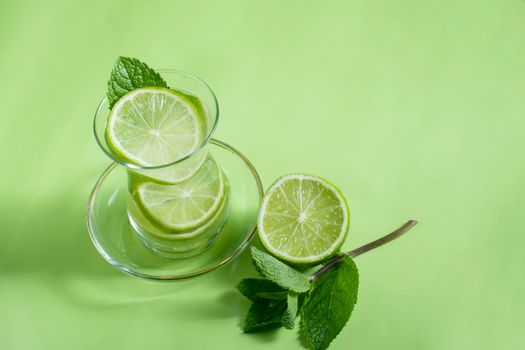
(290, 314)
(318, 341)
(278, 272)
(257, 288)
(260, 316)
(129, 74)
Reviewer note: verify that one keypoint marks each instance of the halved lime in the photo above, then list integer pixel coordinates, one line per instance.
(187, 205)
(154, 126)
(303, 219)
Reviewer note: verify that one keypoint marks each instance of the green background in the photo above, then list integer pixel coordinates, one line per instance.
(413, 108)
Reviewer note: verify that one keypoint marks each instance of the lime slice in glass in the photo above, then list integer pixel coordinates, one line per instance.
(303, 219)
(187, 205)
(176, 173)
(210, 227)
(154, 126)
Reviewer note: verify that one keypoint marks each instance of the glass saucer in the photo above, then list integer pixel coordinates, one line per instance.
(117, 241)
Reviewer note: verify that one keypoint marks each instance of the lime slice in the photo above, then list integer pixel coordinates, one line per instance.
(176, 173)
(303, 219)
(154, 126)
(187, 205)
(208, 228)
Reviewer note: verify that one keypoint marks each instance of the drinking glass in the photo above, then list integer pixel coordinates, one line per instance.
(118, 244)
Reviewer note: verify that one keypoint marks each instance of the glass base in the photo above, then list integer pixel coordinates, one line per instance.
(178, 249)
(121, 242)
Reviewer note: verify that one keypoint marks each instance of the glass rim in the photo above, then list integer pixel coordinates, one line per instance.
(180, 160)
(247, 239)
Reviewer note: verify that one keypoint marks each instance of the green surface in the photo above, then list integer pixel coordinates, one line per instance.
(413, 108)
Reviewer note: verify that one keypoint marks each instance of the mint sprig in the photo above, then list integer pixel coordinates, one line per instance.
(324, 300)
(129, 74)
(280, 273)
(253, 289)
(330, 304)
(264, 314)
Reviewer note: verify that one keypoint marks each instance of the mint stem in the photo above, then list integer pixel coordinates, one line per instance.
(363, 249)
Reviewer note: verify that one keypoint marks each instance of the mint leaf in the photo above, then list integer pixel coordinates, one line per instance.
(289, 315)
(280, 273)
(330, 304)
(264, 314)
(254, 288)
(130, 74)
(269, 313)
(272, 305)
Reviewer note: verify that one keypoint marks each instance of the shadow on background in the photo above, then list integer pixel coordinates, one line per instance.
(47, 243)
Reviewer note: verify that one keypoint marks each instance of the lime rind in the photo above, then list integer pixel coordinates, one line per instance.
(174, 174)
(265, 217)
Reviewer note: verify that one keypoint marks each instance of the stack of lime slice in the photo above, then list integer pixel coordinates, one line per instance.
(152, 127)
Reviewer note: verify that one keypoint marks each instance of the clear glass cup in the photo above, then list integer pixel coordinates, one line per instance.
(117, 240)
(161, 240)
